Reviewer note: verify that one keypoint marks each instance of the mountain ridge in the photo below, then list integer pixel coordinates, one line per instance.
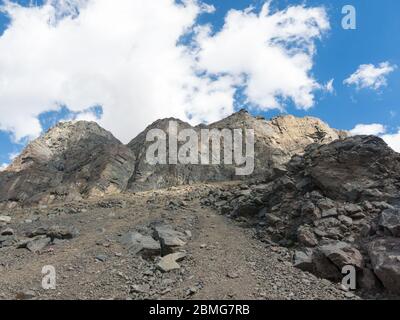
(79, 159)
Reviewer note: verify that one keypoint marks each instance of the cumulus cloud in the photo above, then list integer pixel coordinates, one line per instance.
(368, 129)
(376, 129)
(269, 54)
(370, 76)
(129, 57)
(393, 140)
(3, 167)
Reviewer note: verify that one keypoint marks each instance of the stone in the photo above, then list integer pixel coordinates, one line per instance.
(5, 219)
(26, 295)
(329, 213)
(7, 241)
(170, 262)
(385, 260)
(272, 219)
(170, 239)
(390, 222)
(141, 289)
(342, 254)
(55, 232)
(140, 244)
(101, 258)
(326, 204)
(38, 244)
(347, 221)
(352, 209)
(306, 237)
(7, 232)
(303, 259)
(62, 232)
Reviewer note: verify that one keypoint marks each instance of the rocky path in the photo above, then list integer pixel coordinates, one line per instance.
(223, 259)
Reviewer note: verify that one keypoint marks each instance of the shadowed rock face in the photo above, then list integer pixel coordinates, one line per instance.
(75, 160)
(72, 160)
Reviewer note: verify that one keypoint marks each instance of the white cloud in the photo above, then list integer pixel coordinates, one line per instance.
(329, 86)
(11, 157)
(392, 139)
(368, 129)
(369, 76)
(126, 56)
(270, 54)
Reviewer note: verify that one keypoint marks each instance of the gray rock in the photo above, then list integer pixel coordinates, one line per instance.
(7, 232)
(170, 262)
(347, 221)
(141, 289)
(55, 232)
(140, 244)
(303, 259)
(170, 239)
(329, 213)
(101, 258)
(7, 241)
(385, 260)
(38, 244)
(342, 254)
(62, 232)
(306, 237)
(352, 209)
(390, 221)
(5, 219)
(26, 295)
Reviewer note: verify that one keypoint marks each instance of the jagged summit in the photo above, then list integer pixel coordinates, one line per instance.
(80, 159)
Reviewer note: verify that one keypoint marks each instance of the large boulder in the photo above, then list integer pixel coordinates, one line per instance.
(385, 260)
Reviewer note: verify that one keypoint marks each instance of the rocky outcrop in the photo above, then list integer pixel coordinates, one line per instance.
(276, 141)
(76, 160)
(336, 205)
(71, 161)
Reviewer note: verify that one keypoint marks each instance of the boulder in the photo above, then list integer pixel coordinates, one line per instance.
(342, 254)
(170, 239)
(385, 260)
(390, 222)
(140, 244)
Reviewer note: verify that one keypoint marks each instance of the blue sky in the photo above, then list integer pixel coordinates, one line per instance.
(339, 54)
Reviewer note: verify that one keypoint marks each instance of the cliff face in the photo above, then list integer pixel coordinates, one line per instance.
(72, 160)
(80, 159)
(276, 141)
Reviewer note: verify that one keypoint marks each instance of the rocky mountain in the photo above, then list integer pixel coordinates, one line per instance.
(318, 200)
(71, 161)
(77, 160)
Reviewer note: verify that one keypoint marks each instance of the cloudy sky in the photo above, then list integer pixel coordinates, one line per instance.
(126, 63)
